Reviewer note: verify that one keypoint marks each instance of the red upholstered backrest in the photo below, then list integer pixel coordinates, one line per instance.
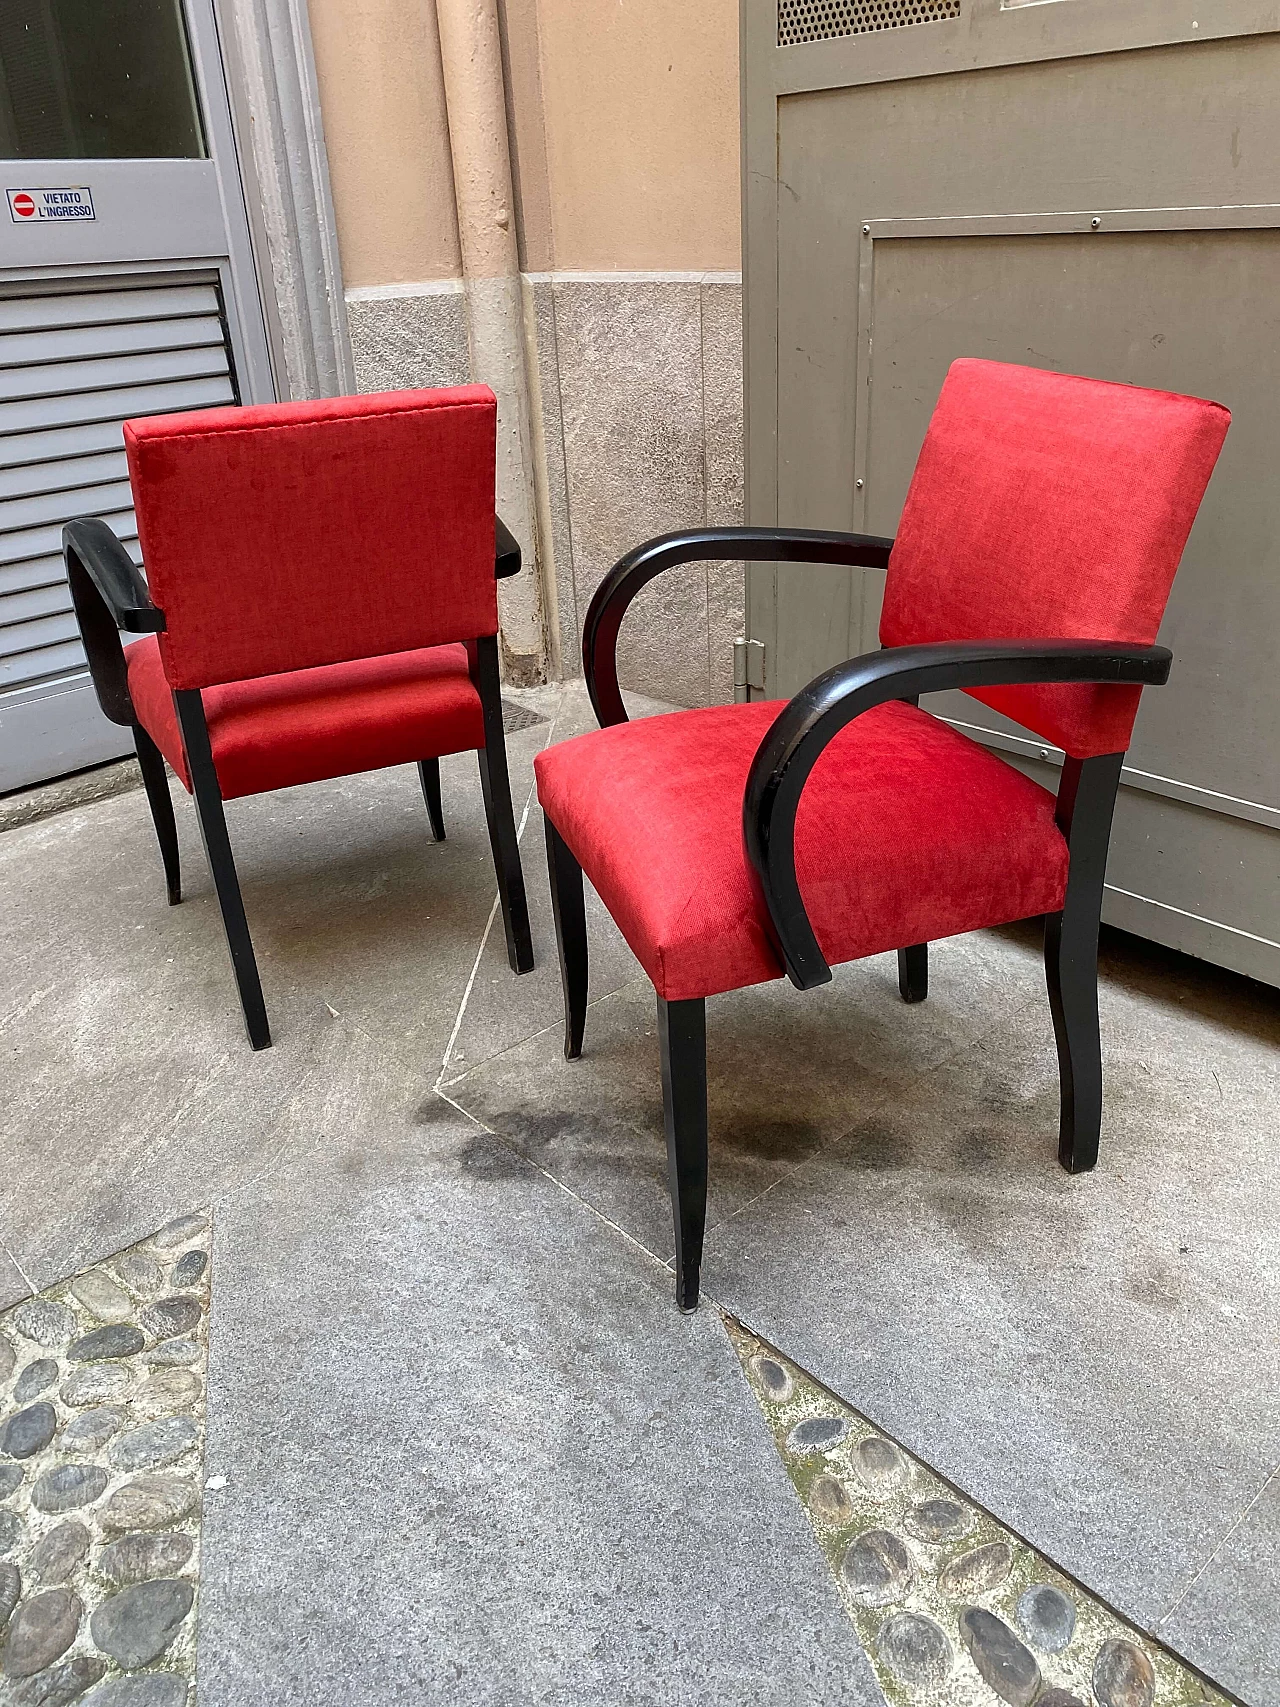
(294, 534)
(1049, 507)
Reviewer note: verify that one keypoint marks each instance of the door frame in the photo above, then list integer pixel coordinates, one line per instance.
(261, 52)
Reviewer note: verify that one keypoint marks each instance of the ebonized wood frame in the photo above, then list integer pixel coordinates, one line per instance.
(1085, 805)
(110, 595)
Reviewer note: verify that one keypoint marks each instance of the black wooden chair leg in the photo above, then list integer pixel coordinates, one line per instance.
(429, 777)
(569, 911)
(156, 783)
(217, 847)
(1086, 801)
(496, 787)
(913, 972)
(682, 1038)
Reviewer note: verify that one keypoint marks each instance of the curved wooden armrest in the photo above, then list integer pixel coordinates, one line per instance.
(506, 555)
(109, 594)
(803, 728)
(699, 545)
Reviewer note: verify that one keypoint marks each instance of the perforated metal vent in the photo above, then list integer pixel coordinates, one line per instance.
(822, 20)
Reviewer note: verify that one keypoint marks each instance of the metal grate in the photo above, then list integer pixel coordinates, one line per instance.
(822, 20)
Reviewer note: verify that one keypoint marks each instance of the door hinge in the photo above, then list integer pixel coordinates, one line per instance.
(748, 668)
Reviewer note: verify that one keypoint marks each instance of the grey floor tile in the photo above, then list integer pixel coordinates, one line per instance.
(472, 1452)
(1095, 1359)
(1229, 1618)
(12, 1284)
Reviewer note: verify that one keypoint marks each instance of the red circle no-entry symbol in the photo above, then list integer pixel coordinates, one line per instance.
(24, 206)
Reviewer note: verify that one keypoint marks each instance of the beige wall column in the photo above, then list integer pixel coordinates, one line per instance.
(471, 53)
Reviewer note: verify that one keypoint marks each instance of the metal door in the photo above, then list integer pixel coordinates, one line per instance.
(127, 287)
(1077, 186)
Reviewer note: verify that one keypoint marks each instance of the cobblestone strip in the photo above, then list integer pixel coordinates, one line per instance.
(953, 1609)
(102, 1393)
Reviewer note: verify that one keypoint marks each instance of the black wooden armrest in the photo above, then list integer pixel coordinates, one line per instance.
(109, 594)
(798, 735)
(506, 560)
(699, 545)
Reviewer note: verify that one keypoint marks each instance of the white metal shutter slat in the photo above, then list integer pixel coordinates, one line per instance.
(44, 664)
(33, 572)
(128, 337)
(63, 379)
(44, 542)
(161, 399)
(33, 480)
(59, 507)
(105, 307)
(34, 451)
(39, 601)
(75, 366)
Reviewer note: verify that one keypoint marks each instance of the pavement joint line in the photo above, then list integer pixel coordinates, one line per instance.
(858, 1485)
(8, 1251)
(493, 911)
(1226, 1535)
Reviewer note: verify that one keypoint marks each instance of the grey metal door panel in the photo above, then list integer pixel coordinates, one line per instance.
(46, 704)
(922, 192)
(160, 209)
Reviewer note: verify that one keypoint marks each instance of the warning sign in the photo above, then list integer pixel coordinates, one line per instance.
(30, 206)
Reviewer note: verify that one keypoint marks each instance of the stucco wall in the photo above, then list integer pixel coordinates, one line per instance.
(623, 124)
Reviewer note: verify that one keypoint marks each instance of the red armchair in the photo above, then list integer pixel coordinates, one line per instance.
(320, 599)
(1032, 565)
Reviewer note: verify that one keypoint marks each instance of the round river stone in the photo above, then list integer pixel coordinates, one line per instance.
(817, 1434)
(91, 1430)
(44, 1320)
(35, 1379)
(166, 1391)
(156, 1689)
(880, 1467)
(170, 1316)
(138, 1624)
(774, 1379)
(1059, 1698)
(29, 1431)
(178, 1232)
(148, 1502)
(10, 1589)
(189, 1267)
(56, 1688)
(120, 1339)
(101, 1297)
(938, 1520)
(41, 1631)
(1007, 1665)
(877, 1568)
(173, 1351)
(829, 1499)
(68, 1487)
(96, 1382)
(153, 1445)
(10, 1479)
(1123, 1676)
(915, 1650)
(1047, 1618)
(140, 1273)
(57, 1553)
(977, 1571)
(137, 1558)
(10, 1532)
(7, 1360)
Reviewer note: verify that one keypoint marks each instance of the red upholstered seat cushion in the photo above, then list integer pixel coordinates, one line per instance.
(275, 731)
(907, 832)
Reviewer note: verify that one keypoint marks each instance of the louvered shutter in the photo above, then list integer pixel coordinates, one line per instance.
(74, 364)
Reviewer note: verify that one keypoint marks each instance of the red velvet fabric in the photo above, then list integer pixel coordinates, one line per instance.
(1048, 506)
(297, 534)
(276, 731)
(907, 832)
